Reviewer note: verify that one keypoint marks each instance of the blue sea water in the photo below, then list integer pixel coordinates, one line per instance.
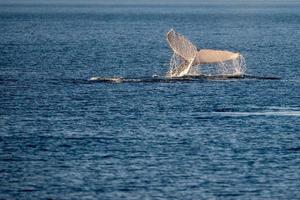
(63, 137)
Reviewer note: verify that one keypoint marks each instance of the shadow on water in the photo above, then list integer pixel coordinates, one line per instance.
(199, 78)
(177, 79)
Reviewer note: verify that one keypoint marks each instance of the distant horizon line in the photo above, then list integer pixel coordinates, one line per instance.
(147, 2)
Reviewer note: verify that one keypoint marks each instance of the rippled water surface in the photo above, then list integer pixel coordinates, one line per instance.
(62, 136)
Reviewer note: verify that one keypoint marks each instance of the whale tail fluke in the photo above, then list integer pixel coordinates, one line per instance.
(186, 57)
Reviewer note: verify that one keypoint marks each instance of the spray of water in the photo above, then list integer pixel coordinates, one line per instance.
(177, 66)
(180, 67)
(233, 67)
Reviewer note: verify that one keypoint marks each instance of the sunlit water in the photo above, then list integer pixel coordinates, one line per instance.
(65, 137)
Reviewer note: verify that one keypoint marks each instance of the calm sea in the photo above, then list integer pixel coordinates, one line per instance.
(63, 137)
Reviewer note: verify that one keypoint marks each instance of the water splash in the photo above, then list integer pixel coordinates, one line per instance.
(177, 66)
(180, 67)
(233, 67)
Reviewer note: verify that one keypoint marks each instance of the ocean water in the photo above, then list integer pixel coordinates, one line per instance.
(63, 137)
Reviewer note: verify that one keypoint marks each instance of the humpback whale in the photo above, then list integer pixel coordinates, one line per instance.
(189, 63)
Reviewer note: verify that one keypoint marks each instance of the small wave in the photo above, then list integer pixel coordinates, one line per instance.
(262, 113)
(294, 149)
